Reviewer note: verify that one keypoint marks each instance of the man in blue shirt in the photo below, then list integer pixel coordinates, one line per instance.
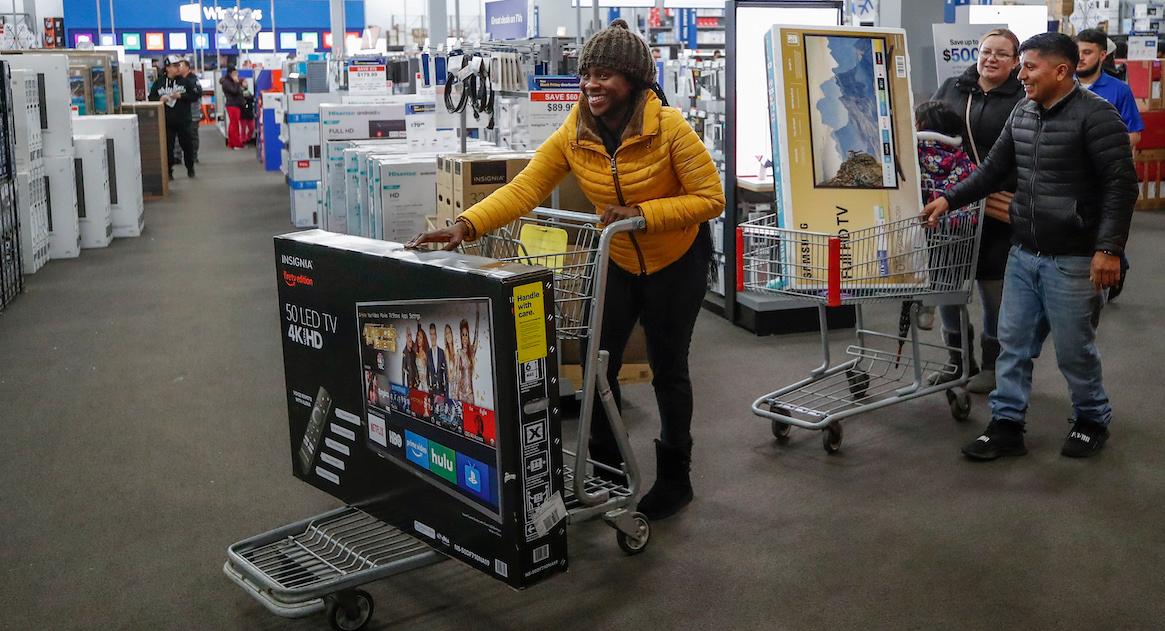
(1093, 45)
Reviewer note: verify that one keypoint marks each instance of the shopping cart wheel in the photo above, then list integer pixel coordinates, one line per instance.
(859, 382)
(349, 610)
(781, 430)
(831, 438)
(634, 544)
(960, 403)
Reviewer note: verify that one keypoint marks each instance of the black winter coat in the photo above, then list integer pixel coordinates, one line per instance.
(1074, 168)
(189, 91)
(232, 91)
(989, 112)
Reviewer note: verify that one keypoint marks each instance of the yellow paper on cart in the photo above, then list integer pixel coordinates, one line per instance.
(845, 155)
(545, 245)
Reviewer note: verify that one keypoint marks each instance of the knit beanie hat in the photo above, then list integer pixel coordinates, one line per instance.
(617, 48)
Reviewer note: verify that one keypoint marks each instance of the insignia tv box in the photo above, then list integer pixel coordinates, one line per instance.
(422, 387)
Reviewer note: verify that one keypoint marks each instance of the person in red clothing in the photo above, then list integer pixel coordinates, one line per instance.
(232, 89)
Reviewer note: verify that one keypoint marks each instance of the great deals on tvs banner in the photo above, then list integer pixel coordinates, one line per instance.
(421, 386)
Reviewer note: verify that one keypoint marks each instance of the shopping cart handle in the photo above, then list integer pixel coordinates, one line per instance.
(627, 225)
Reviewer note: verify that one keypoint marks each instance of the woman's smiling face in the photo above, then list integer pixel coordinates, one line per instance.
(606, 91)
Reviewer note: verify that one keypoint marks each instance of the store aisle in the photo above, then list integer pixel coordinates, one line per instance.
(145, 430)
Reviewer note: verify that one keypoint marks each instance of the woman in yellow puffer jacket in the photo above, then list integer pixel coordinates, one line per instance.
(631, 156)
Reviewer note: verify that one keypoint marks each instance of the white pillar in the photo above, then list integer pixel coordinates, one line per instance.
(338, 28)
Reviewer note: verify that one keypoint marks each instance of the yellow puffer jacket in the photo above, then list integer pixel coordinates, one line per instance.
(661, 166)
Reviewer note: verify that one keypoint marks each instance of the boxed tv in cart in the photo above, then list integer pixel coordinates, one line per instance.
(421, 386)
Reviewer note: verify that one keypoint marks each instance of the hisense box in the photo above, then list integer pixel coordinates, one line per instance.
(406, 188)
(421, 387)
(92, 172)
(62, 192)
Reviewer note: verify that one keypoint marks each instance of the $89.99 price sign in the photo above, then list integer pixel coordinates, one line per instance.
(551, 99)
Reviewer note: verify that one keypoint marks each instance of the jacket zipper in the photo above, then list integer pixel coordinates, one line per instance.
(1032, 184)
(619, 195)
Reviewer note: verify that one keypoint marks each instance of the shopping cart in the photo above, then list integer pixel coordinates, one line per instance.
(904, 261)
(319, 563)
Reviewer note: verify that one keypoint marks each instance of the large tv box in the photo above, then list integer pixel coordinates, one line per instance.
(422, 387)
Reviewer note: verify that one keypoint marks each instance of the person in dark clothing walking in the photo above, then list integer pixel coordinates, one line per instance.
(232, 90)
(195, 110)
(983, 97)
(1070, 216)
(178, 93)
(633, 157)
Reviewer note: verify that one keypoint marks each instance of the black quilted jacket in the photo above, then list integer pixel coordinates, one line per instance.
(1073, 164)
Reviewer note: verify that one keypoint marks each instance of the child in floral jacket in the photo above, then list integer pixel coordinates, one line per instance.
(941, 158)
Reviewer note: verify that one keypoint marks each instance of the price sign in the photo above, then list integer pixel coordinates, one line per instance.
(551, 99)
(1142, 47)
(421, 126)
(956, 47)
(367, 78)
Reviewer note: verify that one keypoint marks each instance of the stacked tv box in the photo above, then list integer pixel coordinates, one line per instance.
(28, 160)
(92, 171)
(124, 160)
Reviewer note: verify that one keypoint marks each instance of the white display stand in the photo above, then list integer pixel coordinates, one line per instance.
(93, 206)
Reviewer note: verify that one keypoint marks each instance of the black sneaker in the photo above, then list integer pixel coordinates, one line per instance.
(189, 172)
(1086, 439)
(1001, 438)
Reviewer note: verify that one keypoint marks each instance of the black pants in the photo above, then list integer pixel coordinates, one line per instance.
(180, 130)
(667, 302)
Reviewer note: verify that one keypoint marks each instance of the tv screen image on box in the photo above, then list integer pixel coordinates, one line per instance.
(429, 397)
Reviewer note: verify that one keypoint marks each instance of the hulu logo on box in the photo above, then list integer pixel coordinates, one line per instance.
(442, 462)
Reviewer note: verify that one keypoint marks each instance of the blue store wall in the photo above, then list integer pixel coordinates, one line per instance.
(161, 16)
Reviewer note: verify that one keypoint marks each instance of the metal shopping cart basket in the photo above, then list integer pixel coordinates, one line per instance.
(317, 564)
(897, 261)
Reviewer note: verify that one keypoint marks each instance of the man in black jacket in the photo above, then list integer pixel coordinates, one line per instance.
(1070, 216)
(179, 93)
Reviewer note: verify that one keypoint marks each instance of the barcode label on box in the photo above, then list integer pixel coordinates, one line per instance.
(541, 553)
(549, 514)
(501, 568)
(900, 66)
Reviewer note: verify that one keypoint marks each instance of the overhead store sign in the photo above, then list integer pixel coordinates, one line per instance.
(506, 19)
(551, 98)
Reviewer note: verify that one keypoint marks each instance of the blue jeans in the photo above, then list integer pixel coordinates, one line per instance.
(1045, 294)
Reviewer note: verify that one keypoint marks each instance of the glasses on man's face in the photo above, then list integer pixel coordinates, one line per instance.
(996, 54)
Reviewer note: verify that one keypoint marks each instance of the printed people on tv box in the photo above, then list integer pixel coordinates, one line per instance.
(429, 372)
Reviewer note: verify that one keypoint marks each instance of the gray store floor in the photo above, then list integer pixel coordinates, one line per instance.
(143, 424)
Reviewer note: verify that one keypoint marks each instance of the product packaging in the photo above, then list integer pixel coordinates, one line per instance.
(422, 387)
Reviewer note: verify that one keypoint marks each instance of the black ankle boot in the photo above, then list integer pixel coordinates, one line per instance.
(673, 484)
